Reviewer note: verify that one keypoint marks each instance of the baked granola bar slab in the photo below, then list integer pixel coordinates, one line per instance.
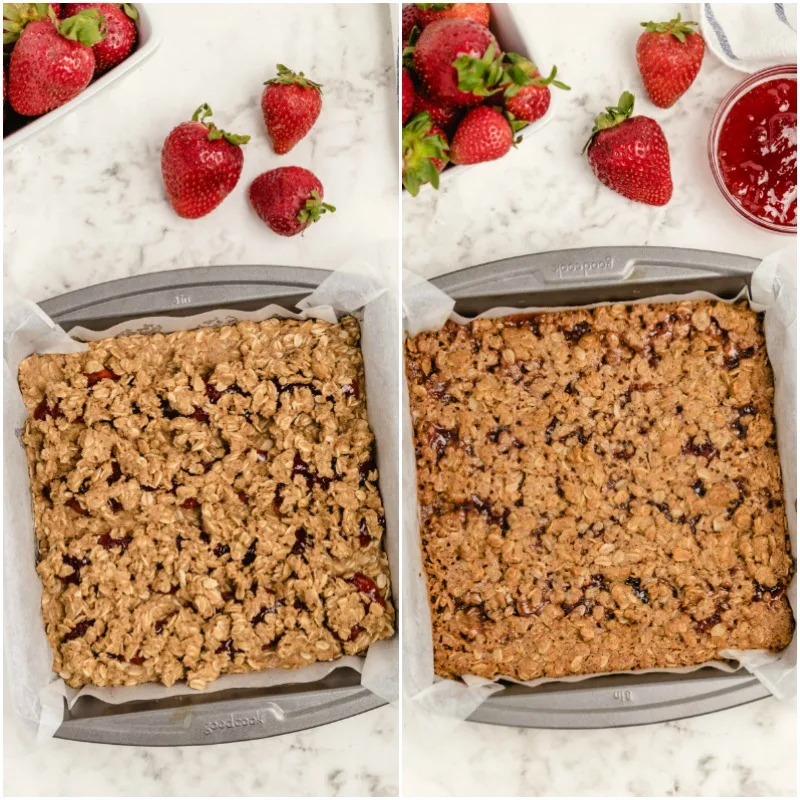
(599, 490)
(206, 502)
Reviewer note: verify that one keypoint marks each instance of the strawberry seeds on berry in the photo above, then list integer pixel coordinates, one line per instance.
(458, 62)
(290, 104)
(630, 154)
(669, 55)
(200, 164)
(288, 199)
(121, 32)
(52, 60)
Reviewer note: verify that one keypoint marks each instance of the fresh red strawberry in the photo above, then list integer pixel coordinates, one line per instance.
(669, 55)
(483, 135)
(630, 154)
(530, 103)
(424, 153)
(527, 95)
(443, 115)
(410, 19)
(200, 165)
(458, 62)
(290, 104)
(56, 9)
(288, 199)
(52, 61)
(407, 95)
(120, 32)
(430, 12)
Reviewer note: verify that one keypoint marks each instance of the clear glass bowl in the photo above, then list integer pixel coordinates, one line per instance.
(786, 71)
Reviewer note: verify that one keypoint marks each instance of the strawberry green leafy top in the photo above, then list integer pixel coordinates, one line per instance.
(678, 28)
(520, 71)
(215, 133)
(612, 116)
(286, 76)
(480, 76)
(423, 146)
(86, 27)
(314, 208)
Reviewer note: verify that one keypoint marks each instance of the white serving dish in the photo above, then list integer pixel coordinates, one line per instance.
(147, 43)
(512, 38)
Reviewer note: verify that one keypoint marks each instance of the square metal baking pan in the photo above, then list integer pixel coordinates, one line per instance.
(209, 717)
(21, 128)
(582, 277)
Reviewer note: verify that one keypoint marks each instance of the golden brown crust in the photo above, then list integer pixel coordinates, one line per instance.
(206, 502)
(599, 490)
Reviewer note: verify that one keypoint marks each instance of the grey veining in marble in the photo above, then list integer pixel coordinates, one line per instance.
(543, 196)
(84, 201)
(743, 752)
(355, 757)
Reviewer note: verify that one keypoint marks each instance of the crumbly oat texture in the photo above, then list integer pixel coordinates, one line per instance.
(206, 502)
(599, 490)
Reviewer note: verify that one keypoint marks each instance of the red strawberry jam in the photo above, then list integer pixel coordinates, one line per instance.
(757, 151)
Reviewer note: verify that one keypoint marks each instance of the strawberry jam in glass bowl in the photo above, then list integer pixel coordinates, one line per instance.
(753, 148)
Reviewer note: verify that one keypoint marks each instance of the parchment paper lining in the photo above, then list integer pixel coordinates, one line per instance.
(425, 307)
(37, 693)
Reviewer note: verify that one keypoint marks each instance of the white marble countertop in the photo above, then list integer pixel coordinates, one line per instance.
(84, 203)
(543, 196)
(356, 757)
(748, 751)
(84, 200)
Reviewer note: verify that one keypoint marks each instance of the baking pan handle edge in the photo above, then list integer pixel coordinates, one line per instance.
(229, 720)
(589, 267)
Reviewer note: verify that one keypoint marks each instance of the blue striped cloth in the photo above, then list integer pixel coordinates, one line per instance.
(751, 36)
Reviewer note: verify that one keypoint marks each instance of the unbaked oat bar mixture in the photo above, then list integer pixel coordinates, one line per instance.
(206, 502)
(599, 490)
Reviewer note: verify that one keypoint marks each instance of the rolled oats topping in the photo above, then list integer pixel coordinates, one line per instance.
(206, 502)
(599, 490)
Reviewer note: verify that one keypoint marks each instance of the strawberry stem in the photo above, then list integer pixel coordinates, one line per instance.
(314, 208)
(286, 77)
(516, 125)
(408, 50)
(215, 133)
(202, 113)
(87, 27)
(680, 29)
(550, 80)
(434, 6)
(612, 116)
